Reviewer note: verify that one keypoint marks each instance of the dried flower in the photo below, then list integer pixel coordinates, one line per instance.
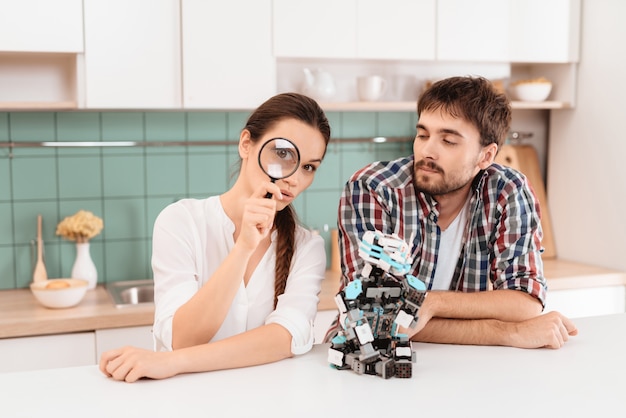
(80, 227)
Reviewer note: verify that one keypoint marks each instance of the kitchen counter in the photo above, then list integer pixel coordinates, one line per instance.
(584, 378)
(21, 315)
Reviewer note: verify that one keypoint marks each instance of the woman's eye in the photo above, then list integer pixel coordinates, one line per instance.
(285, 154)
(309, 167)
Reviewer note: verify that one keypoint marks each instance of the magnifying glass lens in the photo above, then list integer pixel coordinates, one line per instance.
(279, 158)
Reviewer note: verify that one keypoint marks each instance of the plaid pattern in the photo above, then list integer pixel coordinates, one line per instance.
(501, 246)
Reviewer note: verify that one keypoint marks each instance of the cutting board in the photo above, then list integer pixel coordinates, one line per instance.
(524, 159)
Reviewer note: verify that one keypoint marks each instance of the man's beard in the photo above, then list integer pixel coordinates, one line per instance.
(433, 188)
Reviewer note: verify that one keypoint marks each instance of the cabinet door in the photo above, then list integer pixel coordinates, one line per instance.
(320, 29)
(323, 321)
(47, 351)
(108, 339)
(132, 54)
(476, 30)
(41, 26)
(396, 29)
(593, 301)
(545, 31)
(227, 53)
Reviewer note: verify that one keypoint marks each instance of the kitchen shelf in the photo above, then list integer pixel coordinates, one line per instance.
(38, 81)
(369, 106)
(34, 106)
(411, 106)
(548, 104)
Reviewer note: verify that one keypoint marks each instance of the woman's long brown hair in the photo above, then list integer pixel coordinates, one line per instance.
(280, 107)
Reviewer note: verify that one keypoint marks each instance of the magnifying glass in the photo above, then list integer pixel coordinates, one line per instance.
(279, 158)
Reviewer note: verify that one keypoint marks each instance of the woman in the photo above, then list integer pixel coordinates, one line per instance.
(236, 278)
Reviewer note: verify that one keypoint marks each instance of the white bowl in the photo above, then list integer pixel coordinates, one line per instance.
(59, 293)
(537, 91)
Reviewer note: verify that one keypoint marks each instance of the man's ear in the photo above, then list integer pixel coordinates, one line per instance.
(488, 155)
(245, 143)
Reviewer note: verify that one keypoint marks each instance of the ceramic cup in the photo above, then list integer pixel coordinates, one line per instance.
(371, 88)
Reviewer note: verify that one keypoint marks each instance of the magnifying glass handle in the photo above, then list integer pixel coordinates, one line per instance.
(268, 195)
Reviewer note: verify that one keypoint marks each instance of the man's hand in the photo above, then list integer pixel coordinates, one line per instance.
(550, 330)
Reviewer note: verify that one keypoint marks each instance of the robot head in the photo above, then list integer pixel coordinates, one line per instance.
(386, 251)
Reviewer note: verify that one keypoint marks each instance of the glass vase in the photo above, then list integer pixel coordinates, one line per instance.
(83, 267)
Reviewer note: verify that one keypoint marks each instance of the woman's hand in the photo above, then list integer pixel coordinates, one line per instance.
(131, 364)
(258, 215)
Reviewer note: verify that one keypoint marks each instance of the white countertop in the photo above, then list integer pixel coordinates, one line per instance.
(587, 377)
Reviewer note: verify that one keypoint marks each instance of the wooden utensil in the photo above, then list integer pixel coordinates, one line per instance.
(40, 273)
(524, 158)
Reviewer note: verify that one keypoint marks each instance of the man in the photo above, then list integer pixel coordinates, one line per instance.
(474, 227)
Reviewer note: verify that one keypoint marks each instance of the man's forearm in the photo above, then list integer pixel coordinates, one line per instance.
(464, 331)
(504, 305)
(481, 318)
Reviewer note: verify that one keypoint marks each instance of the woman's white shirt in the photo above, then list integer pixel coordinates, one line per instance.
(192, 238)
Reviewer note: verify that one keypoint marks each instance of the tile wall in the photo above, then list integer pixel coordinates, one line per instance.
(127, 187)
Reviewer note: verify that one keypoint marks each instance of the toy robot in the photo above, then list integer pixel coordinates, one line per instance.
(371, 308)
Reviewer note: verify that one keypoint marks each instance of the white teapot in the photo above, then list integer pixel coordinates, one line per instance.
(318, 84)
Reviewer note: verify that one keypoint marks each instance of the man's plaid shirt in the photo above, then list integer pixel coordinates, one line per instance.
(501, 246)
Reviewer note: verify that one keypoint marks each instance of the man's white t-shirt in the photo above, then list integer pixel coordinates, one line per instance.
(449, 250)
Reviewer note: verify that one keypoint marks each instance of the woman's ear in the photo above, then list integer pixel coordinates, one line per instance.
(245, 143)
(488, 156)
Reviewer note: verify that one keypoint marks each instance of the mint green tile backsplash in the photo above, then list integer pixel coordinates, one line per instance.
(128, 187)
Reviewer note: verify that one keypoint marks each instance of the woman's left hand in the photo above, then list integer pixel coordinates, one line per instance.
(131, 364)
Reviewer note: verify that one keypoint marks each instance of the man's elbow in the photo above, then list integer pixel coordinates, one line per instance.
(531, 307)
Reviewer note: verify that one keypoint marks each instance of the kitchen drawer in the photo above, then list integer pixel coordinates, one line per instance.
(47, 352)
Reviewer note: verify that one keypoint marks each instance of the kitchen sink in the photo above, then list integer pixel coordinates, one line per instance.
(131, 292)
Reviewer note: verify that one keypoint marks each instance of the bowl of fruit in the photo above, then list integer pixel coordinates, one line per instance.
(59, 293)
(532, 90)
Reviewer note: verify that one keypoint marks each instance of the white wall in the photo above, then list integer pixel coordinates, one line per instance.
(587, 146)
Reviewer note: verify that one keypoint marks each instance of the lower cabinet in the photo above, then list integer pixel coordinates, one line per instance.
(47, 351)
(107, 339)
(591, 301)
(323, 319)
(68, 350)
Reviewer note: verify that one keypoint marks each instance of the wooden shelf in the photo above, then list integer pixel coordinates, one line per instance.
(21, 106)
(38, 81)
(411, 106)
(548, 104)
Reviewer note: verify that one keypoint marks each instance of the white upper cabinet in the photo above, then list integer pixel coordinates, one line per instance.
(41, 26)
(476, 30)
(315, 29)
(132, 54)
(545, 31)
(532, 31)
(227, 53)
(364, 29)
(396, 29)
